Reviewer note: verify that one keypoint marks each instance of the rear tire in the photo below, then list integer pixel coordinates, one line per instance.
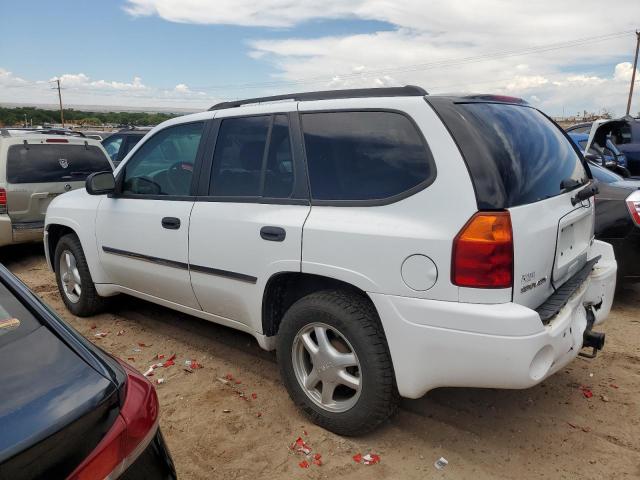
(74, 280)
(357, 354)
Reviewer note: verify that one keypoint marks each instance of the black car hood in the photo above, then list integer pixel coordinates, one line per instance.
(54, 407)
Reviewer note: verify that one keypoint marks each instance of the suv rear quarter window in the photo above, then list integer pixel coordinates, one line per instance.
(364, 155)
(44, 163)
(515, 155)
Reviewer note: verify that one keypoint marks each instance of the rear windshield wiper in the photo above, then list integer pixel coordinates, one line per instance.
(590, 191)
(569, 184)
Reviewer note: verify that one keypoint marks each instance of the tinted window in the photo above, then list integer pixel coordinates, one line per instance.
(164, 163)
(237, 160)
(42, 163)
(240, 166)
(278, 177)
(515, 154)
(363, 155)
(132, 141)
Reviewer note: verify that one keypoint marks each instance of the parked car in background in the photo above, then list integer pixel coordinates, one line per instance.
(618, 219)
(34, 169)
(384, 241)
(608, 156)
(67, 408)
(120, 143)
(623, 132)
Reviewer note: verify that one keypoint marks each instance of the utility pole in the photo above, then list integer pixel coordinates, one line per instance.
(60, 99)
(633, 72)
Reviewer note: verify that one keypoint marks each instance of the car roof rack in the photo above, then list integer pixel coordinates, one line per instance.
(406, 91)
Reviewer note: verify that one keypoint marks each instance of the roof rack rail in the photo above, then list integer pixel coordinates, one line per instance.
(406, 91)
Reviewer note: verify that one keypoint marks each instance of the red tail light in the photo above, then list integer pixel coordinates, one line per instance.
(633, 204)
(483, 252)
(57, 140)
(3, 200)
(130, 434)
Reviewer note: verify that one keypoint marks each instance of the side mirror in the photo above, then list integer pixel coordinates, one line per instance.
(100, 183)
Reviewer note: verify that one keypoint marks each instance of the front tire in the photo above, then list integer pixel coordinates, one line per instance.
(76, 287)
(335, 363)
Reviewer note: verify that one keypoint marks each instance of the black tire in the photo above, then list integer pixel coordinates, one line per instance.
(357, 321)
(89, 302)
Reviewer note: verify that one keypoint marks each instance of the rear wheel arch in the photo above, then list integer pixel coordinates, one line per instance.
(284, 289)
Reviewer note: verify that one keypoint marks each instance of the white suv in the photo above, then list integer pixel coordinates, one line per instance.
(386, 242)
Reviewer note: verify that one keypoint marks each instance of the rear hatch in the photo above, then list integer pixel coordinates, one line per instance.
(54, 406)
(39, 170)
(520, 161)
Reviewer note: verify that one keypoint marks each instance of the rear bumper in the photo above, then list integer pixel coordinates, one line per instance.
(154, 463)
(450, 344)
(11, 233)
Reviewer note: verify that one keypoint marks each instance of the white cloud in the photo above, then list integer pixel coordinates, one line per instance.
(423, 38)
(80, 89)
(623, 72)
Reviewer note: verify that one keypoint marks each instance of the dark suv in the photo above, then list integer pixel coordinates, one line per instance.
(121, 143)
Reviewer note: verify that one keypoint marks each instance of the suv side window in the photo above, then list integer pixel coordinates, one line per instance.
(248, 162)
(366, 155)
(164, 163)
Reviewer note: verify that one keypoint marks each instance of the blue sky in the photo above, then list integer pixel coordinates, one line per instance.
(172, 54)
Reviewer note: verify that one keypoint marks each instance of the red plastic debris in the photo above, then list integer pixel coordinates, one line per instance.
(368, 459)
(228, 376)
(586, 392)
(254, 395)
(303, 464)
(317, 459)
(300, 446)
(140, 344)
(131, 358)
(168, 363)
(159, 356)
(172, 357)
(193, 365)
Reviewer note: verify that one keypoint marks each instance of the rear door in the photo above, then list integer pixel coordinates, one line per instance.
(38, 172)
(142, 231)
(248, 223)
(519, 160)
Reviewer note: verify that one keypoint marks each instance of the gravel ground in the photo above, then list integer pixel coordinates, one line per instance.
(551, 430)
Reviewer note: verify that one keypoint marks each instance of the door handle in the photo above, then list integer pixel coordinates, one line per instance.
(172, 223)
(273, 234)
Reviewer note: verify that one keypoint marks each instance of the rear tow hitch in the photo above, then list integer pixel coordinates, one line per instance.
(591, 339)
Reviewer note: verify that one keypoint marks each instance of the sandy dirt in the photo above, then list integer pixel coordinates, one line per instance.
(549, 431)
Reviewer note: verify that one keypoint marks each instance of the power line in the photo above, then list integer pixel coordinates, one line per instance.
(445, 63)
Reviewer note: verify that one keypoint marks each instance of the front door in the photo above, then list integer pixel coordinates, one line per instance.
(249, 225)
(142, 231)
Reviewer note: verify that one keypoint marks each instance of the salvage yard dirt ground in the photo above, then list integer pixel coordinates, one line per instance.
(549, 431)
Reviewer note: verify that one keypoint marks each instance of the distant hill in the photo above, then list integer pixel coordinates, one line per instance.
(15, 116)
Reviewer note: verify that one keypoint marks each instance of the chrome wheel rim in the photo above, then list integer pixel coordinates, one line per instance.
(326, 367)
(70, 276)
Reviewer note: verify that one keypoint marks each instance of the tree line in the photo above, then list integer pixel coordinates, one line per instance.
(37, 116)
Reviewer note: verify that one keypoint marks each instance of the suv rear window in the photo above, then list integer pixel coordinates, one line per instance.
(364, 155)
(43, 163)
(514, 153)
